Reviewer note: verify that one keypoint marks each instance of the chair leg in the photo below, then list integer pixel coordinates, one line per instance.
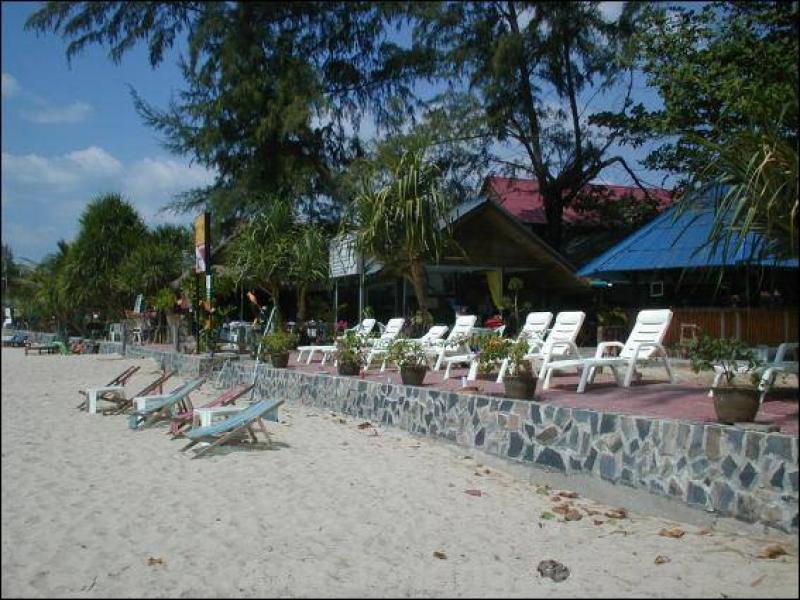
(310, 356)
(472, 374)
(503, 369)
(715, 383)
(447, 371)
(439, 361)
(383, 366)
(629, 374)
(584, 379)
(547, 373)
(668, 368)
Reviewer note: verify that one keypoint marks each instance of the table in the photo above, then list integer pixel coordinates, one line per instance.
(93, 393)
(203, 417)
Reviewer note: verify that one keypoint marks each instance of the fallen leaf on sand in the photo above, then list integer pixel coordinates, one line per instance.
(661, 559)
(674, 532)
(364, 425)
(562, 509)
(705, 531)
(152, 560)
(617, 513)
(573, 515)
(467, 457)
(772, 551)
(543, 490)
(487, 471)
(553, 569)
(341, 420)
(547, 516)
(597, 521)
(757, 581)
(473, 492)
(566, 494)
(478, 473)
(440, 554)
(555, 498)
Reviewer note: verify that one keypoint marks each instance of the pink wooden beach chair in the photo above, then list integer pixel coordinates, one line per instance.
(120, 379)
(182, 420)
(126, 403)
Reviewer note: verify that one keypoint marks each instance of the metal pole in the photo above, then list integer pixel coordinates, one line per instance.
(335, 303)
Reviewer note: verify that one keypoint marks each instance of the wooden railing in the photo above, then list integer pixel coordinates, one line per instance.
(769, 326)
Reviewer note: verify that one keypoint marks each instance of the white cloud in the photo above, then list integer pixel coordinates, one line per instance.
(44, 196)
(47, 115)
(66, 170)
(10, 86)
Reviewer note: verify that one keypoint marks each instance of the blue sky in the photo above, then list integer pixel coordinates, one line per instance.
(70, 133)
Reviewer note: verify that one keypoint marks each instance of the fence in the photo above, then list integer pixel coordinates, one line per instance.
(755, 326)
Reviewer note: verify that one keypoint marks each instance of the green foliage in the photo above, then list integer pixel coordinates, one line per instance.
(614, 315)
(351, 349)
(165, 300)
(401, 218)
(727, 61)
(733, 356)
(407, 353)
(278, 342)
(517, 364)
(493, 350)
(159, 259)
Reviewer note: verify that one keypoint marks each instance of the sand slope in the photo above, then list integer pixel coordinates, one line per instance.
(333, 510)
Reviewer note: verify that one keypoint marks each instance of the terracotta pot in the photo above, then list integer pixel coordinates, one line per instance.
(279, 360)
(412, 375)
(735, 404)
(520, 387)
(347, 369)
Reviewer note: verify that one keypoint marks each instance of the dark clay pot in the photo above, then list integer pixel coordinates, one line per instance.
(279, 360)
(520, 388)
(735, 404)
(347, 369)
(413, 375)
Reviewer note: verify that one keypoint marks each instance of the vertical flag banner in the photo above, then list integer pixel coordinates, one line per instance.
(201, 239)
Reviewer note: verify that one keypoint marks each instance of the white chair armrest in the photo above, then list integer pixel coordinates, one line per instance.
(783, 349)
(642, 345)
(601, 348)
(571, 347)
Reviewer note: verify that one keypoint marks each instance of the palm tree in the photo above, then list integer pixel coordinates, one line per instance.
(401, 218)
(309, 264)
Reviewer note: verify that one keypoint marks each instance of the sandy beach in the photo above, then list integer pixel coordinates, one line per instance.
(92, 509)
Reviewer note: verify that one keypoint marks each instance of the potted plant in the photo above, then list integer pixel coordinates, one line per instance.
(520, 379)
(736, 395)
(350, 353)
(493, 350)
(410, 357)
(611, 322)
(277, 345)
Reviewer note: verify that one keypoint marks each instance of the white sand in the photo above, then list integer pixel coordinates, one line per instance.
(333, 510)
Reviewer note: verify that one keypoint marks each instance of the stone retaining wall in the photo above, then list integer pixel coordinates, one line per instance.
(750, 475)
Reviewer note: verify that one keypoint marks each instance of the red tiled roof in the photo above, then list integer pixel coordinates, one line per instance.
(522, 199)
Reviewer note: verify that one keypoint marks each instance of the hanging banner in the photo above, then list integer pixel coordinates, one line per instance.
(202, 243)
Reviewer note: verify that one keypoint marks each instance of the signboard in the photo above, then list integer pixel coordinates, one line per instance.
(343, 258)
(202, 243)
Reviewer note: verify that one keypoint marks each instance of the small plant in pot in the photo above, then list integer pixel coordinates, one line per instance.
(276, 345)
(736, 396)
(493, 350)
(410, 357)
(350, 353)
(520, 379)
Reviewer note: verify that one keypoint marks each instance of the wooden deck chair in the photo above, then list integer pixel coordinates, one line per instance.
(643, 343)
(126, 403)
(120, 379)
(232, 428)
(151, 409)
(182, 420)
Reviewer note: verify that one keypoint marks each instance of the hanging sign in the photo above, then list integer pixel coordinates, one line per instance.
(343, 258)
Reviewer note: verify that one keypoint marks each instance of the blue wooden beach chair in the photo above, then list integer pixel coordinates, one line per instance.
(161, 406)
(231, 429)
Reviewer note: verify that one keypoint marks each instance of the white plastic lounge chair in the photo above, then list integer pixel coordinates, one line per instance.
(469, 356)
(428, 340)
(534, 330)
(231, 428)
(457, 343)
(364, 328)
(643, 343)
(771, 370)
(381, 346)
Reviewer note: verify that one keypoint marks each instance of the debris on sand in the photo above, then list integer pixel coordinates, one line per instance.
(772, 551)
(673, 532)
(553, 569)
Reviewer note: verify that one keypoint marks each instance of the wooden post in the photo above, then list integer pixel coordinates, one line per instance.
(124, 327)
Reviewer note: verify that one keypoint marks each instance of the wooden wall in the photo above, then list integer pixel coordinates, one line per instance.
(769, 326)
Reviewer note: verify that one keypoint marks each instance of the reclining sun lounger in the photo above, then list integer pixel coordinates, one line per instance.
(232, 428)
(181, 421)
(16, 341)
(150, 409)
(364, 328)
(126, 403)
(643, 343)
(118, 381)
(457, 342)
(381, 346)
(47, 348)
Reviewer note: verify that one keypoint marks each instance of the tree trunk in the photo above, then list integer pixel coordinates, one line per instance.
(301, 303)
(417, 277)
(554, 210)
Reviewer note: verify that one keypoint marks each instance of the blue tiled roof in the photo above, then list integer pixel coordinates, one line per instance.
(669, 243)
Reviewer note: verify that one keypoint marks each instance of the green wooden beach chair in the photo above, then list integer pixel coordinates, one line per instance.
(231, 429)
(151, 409)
